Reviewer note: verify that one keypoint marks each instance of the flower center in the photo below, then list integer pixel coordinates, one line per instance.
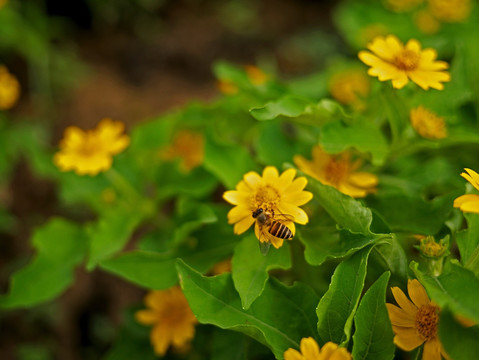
(427, 318)
(267, 198)
(337, 170)
(90, 146)
(407, 60)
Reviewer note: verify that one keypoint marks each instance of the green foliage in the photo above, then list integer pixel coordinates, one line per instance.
(459, 342)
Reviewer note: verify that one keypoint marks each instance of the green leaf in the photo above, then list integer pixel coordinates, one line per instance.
(390, 255)
(373, 338)
(60, 246)
(346, 211)
(279, 318)
(338, 305)
(250, 267)
(361, 134)
(456, 288)
(468, 240)
(110, 233)
(228, 163)
(459, 342)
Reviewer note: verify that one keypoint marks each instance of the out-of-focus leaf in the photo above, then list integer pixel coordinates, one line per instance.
(250, 267)
(337, 307)
(460, 343)
(391, 255)
(61, 246)
(152, 135)
(373, 338)
(229, 345)
(468, 240)
(279, 318)
(456, 288)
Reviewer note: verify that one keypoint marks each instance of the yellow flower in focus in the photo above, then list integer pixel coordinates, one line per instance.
(469, 202)
(255, 75)
(427, 124)
(349, 87)
(450, 10)
(403, 5)
(426, 22)
(190, 147)
(170, 315)
(415, 323)
(275, 194)
(391, 60)
(338, 171)
(90, 152)
(9, 87)
(311, 351)
(227, 87)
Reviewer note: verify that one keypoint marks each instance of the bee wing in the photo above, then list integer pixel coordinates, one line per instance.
(264, 247)
(283, 217)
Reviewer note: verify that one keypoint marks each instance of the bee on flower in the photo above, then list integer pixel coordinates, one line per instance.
(311, 351)
(271, 202)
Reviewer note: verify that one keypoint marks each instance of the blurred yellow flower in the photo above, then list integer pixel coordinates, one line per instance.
(349, 87)
(311, 351)
(172, 319)
(403, 5)
(9, 88)
(469, 202)
(189, 146)
(222, 267)
(416, 323)
(427, 124)
(426, 22)
(338, 171)
(2, 3)
(255, 75)
(90, 152)
(227, 87)
(450, 10)
(391, 60)
(277, 196)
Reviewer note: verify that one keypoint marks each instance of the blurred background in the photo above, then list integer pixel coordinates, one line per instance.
(80, 61)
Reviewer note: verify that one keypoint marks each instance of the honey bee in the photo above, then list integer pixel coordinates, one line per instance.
(270, 226)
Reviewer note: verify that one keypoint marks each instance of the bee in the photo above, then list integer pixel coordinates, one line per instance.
(271, 226)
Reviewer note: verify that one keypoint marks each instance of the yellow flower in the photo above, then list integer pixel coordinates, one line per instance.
(348, 87)
(391, 60)
(426, 22)
(403, 5)
(172, 319)
(338, 171)
(227, 87)
(427, 124)
(311, 351)
(90, 152)
(415, 323)
(469, 202)
(450, 10)
(9, 88)
(222, 267)
(278, 196)
(189, 146)
(255, 75)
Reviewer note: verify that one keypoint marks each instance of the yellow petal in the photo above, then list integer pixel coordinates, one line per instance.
(327, 350)
(161, 339)
(297, 185)
(233, 197)
(292, 354)
(400, 80)
(363, 179)
(270, 175)
(298, 198)
(468, 198)
(146, 317)
(238, 213)
(285, 179)
(417, 293)
(243, 225)
(473, 177)
(276, 242)
(309, 348)
(406, 338)
(403, 301)
(432, 350)
(252, 179)
(299, 214)
(399, 317)
(413, 45)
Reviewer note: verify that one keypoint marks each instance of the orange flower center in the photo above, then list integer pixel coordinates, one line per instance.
(337, 170)
(267, 198)
(90, 146)
(427, 318)
(407, 60)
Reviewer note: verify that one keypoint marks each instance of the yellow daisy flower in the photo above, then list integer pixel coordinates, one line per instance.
(227, 87)
(255, 75)
(391, 60)
(426, 22)
(172, 319)
(278, 197)
(349, 87)
(9, 88)
(90, 152)
(311, 351)
(427, 124)
(415, 323)
(338, 171)
(189, 146)
(469, 202)
(450, 10)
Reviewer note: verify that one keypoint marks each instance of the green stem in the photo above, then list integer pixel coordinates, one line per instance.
(122, 185)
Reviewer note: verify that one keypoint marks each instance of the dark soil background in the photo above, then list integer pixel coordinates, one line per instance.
(143, 64)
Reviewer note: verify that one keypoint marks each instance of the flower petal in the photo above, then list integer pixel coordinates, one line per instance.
(285, 179)
(468, 203)
(146, 317)
(270, 175)
(403, 301)
(252, 179)
(297, 185)
(363, 179)
(238, 213)
(432, 350)
(406, 338)
(472, 177)
(299, 214)
(417, 293)
(233, 197)
(243, 225)
(292, 354)
(298, 198)
(309, 348)
(160, 338)
(399, 317)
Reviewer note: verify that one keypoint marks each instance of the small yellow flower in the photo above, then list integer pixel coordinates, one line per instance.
(427, 124)
(255, 75)
(450, 10)
(391, 60)
(432, 249)
(189, 146)
(338, 171)
(9, 88)
(349, 87)
(469, 202)
(227, 87)
(311, 351)
(415, 323)
(275, 194)
(172, 319)
(403, 5)
(426, 22)
(90, 152)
